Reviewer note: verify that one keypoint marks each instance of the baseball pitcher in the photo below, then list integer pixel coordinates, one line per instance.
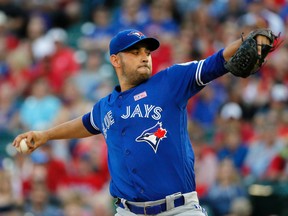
(144, 121)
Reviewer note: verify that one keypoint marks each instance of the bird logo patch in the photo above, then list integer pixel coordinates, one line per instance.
(153, 136)
(137, 34)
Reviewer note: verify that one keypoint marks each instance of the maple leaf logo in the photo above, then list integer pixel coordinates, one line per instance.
(160, 133)
(153, 136)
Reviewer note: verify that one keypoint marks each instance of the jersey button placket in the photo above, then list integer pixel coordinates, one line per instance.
(123, 132)
(120, 101)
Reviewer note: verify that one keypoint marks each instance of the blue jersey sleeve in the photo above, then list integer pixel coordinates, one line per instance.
(89, 123)
(186, 79)
(212, 68)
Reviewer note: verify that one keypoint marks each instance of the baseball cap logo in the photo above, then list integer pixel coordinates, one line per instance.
(127, 38)
(137, 34)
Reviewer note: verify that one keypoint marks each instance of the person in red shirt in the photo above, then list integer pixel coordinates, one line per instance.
(60, 63)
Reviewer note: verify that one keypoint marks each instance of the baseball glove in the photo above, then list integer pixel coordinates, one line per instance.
(246, 60)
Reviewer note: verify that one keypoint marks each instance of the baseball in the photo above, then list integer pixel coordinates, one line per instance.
(23, 147)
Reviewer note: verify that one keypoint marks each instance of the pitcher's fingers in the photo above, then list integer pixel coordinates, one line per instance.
(259, 49)
(16, 141)
(30, 140)
(262, 40)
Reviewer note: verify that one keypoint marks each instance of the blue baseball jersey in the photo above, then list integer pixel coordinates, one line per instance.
(150, 155)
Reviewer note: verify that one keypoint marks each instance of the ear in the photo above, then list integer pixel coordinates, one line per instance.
(115, 60)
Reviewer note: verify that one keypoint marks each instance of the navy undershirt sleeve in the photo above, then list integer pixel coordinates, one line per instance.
(87, 124)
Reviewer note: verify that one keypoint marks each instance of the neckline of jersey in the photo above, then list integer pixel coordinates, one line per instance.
(116, 93)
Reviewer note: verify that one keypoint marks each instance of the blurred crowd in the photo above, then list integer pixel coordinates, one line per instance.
(54, 65)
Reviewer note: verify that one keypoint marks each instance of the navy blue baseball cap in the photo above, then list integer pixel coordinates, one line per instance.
(127, 38)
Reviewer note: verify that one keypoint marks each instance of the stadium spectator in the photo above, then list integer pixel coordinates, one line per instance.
(227, 188)
(40, 108)
(56, 61)
(98, 32)
(39, 201)
(96, 77)
(233, 148)
(264, 147)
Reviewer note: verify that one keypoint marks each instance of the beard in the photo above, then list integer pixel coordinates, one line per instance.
(140, 75)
